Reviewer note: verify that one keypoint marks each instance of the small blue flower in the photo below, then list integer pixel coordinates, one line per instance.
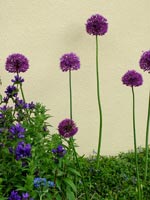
(51, 183)
(38, 182)
(42, 182)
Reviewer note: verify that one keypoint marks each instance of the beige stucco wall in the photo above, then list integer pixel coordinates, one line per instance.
(43, 30)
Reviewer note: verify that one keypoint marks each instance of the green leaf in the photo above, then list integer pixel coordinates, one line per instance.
(58, 197)
(74, 171)
(71, 184)
(70, 195)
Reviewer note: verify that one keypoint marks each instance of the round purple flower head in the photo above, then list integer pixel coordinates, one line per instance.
(67, 128)
(132, 78)
(145, 61)
(69, 61)
(16, 63)
(96, 25)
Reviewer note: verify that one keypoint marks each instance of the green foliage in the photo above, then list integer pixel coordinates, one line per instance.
(116, 176)
(115, 179)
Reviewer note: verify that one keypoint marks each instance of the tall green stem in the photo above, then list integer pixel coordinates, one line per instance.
(99, 104)
(22, 92)
(146, 142)
(135, 147)
(71, 139)
(70, 89)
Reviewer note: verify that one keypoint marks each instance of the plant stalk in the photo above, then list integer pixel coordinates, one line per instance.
(99, 105)
(70, 89)
(146, 142)
(71, 139)
(135, 147)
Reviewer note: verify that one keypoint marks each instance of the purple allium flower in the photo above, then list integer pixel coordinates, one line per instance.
(69, 61)
(22, 150)
(17, 130)
(16, 63)
(96, 25)
(14, 196)
(145, 61)
(132, 78)
(67, 128)
(11, 91)
(59, 151)
(17, 79)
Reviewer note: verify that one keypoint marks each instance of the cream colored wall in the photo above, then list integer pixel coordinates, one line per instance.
(43, 30)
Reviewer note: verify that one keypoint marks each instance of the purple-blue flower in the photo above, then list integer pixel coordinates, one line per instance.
(17, 130)
(5, 99)
(22, 150)
(59, 151)
(17, 79)
(69, 61)
(31, 105)
(20, 103)
(67, 128)
(145, 61)
(16, 63)
(25, 196)
(96, 25)
(14, 196)
(11, 91)
(132, 78)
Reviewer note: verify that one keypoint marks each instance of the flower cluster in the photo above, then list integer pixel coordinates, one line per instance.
(96, 25)
(17, 130)
(11, 91)
(22, 150)
(15, 196)
(42, 182)
(67, 128)
(17, 79)
(145, 61)
(69, 61)
(59, 151)
(20, 103)
(132, 78)
(16, 63)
